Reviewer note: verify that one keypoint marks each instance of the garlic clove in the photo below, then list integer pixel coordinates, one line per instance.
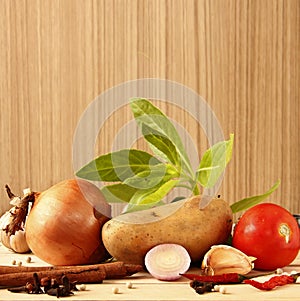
(222, 259)
(18, 242)
(5, 239)
(5, 219)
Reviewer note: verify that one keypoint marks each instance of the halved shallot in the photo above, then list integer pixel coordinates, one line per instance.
(167, 261)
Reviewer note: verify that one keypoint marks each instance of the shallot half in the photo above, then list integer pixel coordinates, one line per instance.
(167, 261)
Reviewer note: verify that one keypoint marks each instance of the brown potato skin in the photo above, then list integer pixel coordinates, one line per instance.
(194, 228)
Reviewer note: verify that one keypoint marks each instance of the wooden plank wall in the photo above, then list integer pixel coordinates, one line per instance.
(241, 56)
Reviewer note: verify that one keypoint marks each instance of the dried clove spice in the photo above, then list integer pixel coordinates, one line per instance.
(202, 287)
(36, 285)
(63, 290)
(28, 288)
(47, 285)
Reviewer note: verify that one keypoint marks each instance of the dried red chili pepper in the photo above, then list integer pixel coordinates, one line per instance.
(217, 279)
(273, 282)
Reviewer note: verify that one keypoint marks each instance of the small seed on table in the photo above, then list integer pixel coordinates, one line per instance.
(19, 263)
(115, 290)
(82, 287)
(28, 259)
(13, 262)
(222, 289)
(129, 285)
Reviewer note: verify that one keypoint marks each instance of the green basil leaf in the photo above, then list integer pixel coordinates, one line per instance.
(147, 198)
(157, 174)
(214, 161)
(246, 203)
(147, 114)
(117, 166)
(161, 143)
(119, 192)
(140, 207)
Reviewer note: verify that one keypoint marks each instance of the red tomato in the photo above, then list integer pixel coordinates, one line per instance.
(269, 233)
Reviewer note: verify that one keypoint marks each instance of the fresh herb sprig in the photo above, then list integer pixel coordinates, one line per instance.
(142, 179)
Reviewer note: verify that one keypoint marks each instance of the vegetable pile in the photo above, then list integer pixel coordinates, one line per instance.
(70, 223)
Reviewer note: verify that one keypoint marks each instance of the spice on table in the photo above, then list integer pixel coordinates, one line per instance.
(82, 287)
(222, 290)
(18, 275)
(63, 290)
(48, 286)
(112, 270)
(209, 283)
(217, 279)
(203, 287)
(273, 282)
(129, 285)
(81, 276)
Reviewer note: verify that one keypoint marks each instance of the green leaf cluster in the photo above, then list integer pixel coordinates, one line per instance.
(142, 179)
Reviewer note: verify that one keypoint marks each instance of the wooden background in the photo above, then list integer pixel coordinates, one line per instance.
(241, 56)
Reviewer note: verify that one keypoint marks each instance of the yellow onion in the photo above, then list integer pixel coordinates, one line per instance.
(65, 222)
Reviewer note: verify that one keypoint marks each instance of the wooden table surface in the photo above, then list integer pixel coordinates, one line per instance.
(147, 288)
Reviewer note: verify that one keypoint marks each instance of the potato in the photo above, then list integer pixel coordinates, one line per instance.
(130, 236)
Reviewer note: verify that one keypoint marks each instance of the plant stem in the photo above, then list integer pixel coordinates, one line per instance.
(196, 190)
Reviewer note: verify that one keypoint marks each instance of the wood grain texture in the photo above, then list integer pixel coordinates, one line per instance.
(242, 57)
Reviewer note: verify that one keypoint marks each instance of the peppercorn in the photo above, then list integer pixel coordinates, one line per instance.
(206, 287)
(82, 287)
(129, 285)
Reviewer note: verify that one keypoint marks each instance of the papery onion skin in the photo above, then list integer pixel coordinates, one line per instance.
(62, 228)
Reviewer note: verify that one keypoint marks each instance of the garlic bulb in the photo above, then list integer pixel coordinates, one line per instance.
(221, 259)
(12, 229)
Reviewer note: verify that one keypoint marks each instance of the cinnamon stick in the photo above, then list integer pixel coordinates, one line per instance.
(94, 273)
(21, 278)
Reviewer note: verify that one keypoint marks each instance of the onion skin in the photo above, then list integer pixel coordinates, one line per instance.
(63, 228)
